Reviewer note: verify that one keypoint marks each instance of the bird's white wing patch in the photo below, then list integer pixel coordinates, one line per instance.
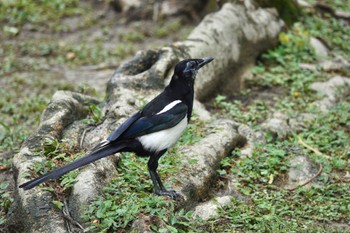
(169, 106)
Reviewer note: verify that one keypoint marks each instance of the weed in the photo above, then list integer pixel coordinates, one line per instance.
(57, 154)
(168, 28)
(251, 115)
(5, 201)
(132, 36)
(332, 31)
(95, 115)
(271, 208)
(15, 14)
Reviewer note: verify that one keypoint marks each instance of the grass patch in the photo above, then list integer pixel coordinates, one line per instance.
(95, 115)
(5, 201)
(267, 206)
(168, 28)
(57, 154)
(28, 55)
(22, 103)
(343, 5)
(332, 31)
(42, 15)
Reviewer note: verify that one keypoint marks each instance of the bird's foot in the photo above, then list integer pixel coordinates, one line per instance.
(170, 193)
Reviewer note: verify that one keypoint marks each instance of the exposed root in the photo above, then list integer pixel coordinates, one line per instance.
(309, 180)
(320, 165)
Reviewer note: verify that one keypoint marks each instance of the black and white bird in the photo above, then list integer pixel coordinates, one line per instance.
(150, 131)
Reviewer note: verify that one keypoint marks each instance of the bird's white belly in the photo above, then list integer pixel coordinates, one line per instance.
(163, 139)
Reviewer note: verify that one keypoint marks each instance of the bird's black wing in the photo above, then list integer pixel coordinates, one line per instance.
(155, 123)
(123, 127)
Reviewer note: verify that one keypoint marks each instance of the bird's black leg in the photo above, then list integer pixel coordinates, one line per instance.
(159, 188)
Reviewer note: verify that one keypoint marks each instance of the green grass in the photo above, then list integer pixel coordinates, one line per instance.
(5, 201)
(27, 55)
(95, 115)
(168, 28)
(22, 103)
(267, 206)
(343, 5)
(332, 31)
(42, 15)
(271, 208)
(57, 154)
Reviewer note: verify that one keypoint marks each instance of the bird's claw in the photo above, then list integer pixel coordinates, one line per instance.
(170, 193)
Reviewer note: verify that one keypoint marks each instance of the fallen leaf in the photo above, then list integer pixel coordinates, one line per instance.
(70, 55)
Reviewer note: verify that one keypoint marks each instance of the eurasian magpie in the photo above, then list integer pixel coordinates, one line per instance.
(150, 131)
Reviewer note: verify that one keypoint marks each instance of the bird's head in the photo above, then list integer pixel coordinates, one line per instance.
(186, 70)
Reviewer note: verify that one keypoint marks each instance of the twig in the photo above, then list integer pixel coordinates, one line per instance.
(68, 217)
(82, 138)
(309, 180)
(308, 147)
(320, 165)
(100, 67)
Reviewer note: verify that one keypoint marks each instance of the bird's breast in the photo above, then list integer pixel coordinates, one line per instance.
(163, 139)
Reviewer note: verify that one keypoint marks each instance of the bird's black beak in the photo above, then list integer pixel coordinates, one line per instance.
(204, 61)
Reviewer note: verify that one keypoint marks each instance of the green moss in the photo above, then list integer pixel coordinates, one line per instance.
(288, 10)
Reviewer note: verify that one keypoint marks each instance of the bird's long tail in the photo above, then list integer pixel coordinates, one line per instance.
(93, 156)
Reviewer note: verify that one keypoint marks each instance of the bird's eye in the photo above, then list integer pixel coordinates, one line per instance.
(191, 65)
